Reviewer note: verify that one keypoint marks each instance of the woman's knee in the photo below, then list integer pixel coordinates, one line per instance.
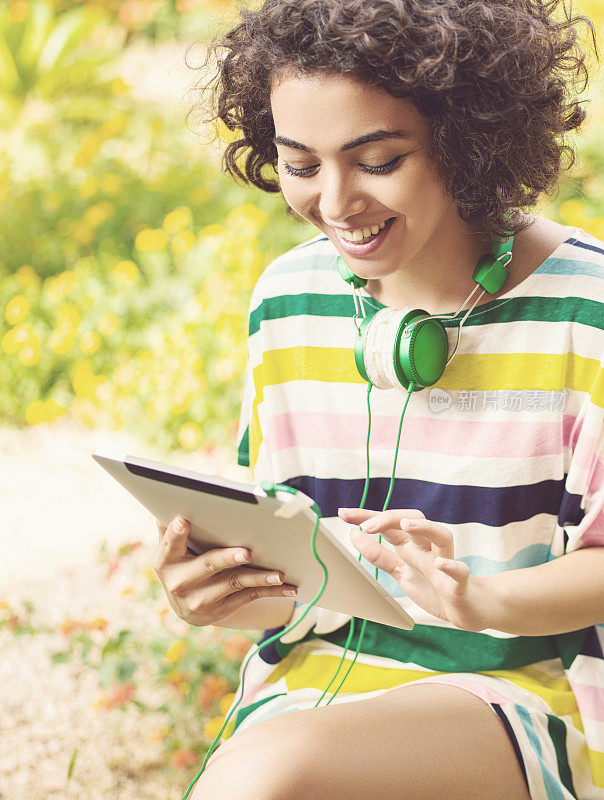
(264, 762)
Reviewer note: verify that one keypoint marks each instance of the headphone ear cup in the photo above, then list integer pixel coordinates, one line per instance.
(394, 347)
(421, 349)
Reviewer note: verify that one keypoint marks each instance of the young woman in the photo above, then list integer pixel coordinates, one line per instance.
(412, 134)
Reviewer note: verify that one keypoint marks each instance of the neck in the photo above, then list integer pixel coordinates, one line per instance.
(439, 277)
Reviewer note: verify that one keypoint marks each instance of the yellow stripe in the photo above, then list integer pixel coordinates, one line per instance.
(556, 692)
(489, 372)
(596, 763)
(303, 670)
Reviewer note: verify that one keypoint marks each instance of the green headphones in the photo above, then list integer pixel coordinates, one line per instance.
(396, 347)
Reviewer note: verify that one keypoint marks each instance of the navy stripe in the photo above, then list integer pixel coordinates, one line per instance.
(591, 646)
(270, 654)
(446, 503)
(510, 732)
(585, 246)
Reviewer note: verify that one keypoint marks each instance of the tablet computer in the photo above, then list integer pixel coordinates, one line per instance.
(276, 528)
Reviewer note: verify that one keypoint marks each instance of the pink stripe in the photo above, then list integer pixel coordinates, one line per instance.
(590, 700)
(484, 692)
(593, 522)
(452, 437)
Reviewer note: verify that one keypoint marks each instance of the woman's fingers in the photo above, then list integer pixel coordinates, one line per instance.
(173, 543)
(381, 519)
(374, 552)
(430, 536)
(457, 570)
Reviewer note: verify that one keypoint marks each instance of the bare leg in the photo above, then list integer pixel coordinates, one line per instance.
(421, 742)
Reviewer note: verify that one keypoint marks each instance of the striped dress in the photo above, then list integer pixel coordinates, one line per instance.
(506, 450)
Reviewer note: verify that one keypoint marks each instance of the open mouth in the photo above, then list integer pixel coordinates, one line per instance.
(364, 240)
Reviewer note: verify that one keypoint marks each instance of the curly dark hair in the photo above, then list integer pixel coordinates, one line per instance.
(497, 80)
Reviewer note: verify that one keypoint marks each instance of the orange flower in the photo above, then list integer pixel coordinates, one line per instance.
(236, 647)
(96, 624)
(182, 758)
(212, 689)
(117, 696)
(68, 626)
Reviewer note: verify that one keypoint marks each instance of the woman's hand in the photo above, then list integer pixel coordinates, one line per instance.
(205, 589)
(423, 564)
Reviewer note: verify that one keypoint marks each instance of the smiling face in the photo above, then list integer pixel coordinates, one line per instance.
(352, 160)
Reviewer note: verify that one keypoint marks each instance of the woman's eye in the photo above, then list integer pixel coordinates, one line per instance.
(299, 172)
(380, 169)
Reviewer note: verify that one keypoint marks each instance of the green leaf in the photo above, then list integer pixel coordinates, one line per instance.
(114, 643)
(60, 657)
(125, 669)
(72, 761)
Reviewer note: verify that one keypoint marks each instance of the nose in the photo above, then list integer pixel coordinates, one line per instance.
(340, 197)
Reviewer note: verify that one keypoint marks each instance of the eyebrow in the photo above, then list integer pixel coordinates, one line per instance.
(374, 136)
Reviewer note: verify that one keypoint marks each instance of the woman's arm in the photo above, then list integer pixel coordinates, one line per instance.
(563, 595)
(266, 612)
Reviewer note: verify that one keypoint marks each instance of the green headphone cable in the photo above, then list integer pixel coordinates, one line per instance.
(276, 636)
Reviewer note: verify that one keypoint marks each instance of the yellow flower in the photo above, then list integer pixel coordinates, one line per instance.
(82, 232)
(572, 212)
(87, 151)
(176, 651)
(88, 188)
(151, 239)
(159, 734)
(125, 272)
(189, 435)
(114, 126)
(99, 213)
(9, 342)
(43, 411)
(61, 341)
(212, 235)
(212, 727)
(29, 354)
(225, 702)
(61, 285)
(178, 220)
(84, 381)
(108, 324)
(118, 86)
(248, 217)
(17, 309)
(183, 242)
(68, 319)
(28, 277)
(52, 201)
(111, 183)
(198, 195)
(18, 11)
(90, 342)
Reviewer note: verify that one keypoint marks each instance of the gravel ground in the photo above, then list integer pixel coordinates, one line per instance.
(58, 506)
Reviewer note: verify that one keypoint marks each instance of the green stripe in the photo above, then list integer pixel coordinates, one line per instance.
(443, 649)
(525, 309)
(247, 710)
(243, 452)
(557, 732)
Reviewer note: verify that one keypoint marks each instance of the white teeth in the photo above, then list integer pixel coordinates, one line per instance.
(362, 233)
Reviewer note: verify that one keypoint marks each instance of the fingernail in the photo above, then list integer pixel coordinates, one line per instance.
(370, 526)
(241, 558)
(179, 525)
(340, 510)
(289, 592)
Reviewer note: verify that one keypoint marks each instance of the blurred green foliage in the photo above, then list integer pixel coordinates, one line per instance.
(126, 257)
